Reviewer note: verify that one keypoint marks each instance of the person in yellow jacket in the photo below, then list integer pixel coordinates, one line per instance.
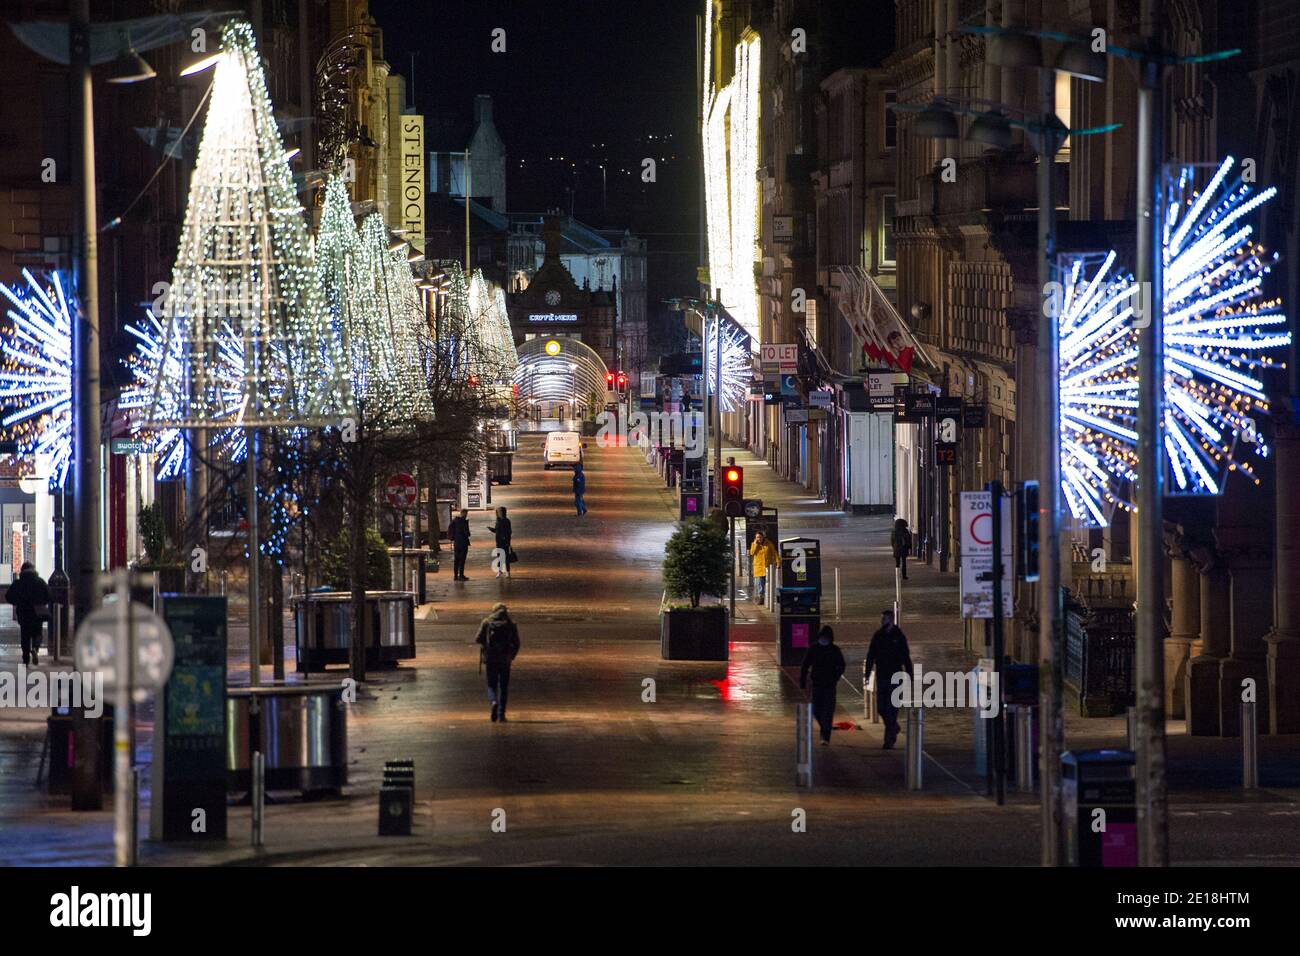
(764, 554)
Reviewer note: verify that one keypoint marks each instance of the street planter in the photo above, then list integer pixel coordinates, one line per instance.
(693, 634)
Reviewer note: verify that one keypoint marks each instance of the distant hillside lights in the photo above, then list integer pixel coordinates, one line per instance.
(652, 429)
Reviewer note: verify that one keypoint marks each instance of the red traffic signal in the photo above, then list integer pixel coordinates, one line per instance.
(622, 381)
(473, 380)
(733, 492)
(609, 379)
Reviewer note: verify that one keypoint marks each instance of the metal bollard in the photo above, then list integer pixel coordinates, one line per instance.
(898, 596)
(915, 753)
(803, 751)
(1025, 749)
(1249, 746)
(258, 795)
(1131, 725)
(771, 589)
(869, 708)
(837, 594)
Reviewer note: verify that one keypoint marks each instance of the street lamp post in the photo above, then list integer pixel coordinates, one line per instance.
(85, 549)
(1152, 821)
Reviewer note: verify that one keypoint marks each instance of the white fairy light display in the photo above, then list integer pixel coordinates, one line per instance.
(737, 366)
(244, 268)
(36, 372)
(1218, 331)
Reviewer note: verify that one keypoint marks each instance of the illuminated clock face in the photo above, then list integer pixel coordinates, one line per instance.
(552, 298)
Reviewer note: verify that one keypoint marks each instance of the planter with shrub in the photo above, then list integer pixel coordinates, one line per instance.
(695, 564)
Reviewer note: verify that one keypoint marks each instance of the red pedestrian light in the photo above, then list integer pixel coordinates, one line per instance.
(733, 492)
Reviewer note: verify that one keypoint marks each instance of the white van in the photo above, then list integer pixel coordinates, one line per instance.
(562, 448)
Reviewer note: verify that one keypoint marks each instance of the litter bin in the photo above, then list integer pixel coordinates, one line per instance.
(1093, 781)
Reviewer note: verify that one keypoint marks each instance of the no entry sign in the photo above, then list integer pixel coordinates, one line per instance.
(400, 491)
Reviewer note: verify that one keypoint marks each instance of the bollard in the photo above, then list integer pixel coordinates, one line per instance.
(1249, 746)
(898, 596)
(258, 795)
(837, 594)
(915, 754)
(1025, 748)
(803, 744)
(1130, 721)
(415, 584)
(771, 589)
(869, 708)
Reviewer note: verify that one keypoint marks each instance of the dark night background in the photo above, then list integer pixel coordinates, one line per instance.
(592, 82)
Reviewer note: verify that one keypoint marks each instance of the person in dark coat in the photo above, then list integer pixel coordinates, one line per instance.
(826, 664)
(499, 639)
(900, 541)
(30, 596)
(579, 489)
(458, 531)
(502, 532)
(889, 655)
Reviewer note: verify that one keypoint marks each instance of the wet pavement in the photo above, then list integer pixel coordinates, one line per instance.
(614, 756)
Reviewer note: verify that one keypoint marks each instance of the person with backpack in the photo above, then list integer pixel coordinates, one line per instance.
(30, 596)
(900, 541)
(889, 655)
(826, 663)
(498, 639)
(458, 531)
(502, 531)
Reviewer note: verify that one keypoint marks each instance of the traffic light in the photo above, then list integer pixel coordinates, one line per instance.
(1028, 528)
(733, 492)
(609, 380)
(622, 381)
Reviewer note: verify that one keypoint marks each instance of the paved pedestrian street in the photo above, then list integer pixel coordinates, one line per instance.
(613, 756)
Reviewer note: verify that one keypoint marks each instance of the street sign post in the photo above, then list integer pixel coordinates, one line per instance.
(977, 556)
(401, 493)
(131, 648)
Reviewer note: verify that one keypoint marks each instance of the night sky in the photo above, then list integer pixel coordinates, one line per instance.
(589, 81)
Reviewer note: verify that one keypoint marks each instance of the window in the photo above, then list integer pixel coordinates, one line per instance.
(887, 254)
(1064, 88)
(891, 120)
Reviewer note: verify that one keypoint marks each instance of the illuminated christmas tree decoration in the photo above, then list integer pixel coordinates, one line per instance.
(36, 373)
(737, 366)
(244, 269)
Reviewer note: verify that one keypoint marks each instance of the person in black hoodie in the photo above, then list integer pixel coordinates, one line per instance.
(502, 532)
(889, 655)
(30, 596)
(499, 639)
(458, 531)
(826, 663)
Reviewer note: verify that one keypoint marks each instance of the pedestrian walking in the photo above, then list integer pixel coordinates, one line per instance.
(900, 540)
(30, 596)
(458, 531)
(579, 489)
(889, 655)
(498, 638)
(763, 553)
(826, 664)
(502, 532)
